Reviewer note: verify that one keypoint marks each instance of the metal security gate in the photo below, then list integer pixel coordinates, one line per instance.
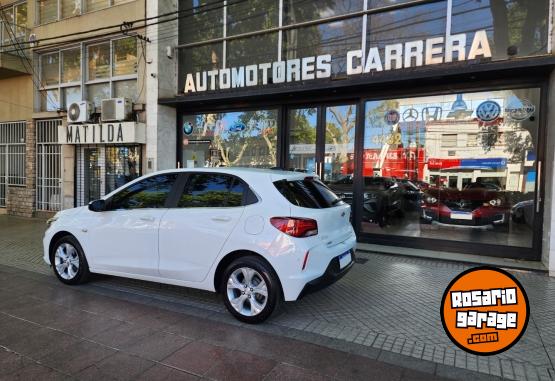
(49, 165)
(12, 157)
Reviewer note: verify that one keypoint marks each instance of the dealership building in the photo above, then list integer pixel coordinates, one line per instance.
(431, 117)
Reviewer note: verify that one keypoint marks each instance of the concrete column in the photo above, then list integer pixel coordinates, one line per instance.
(68, 176)
(548, 244)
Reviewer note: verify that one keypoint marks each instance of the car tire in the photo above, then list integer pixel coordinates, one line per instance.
(243, 285)
(68, 261)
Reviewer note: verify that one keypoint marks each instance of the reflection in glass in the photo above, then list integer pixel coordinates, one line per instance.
(243, 138)
(249, 16)
(340, 142)
(71, 65)
(205, 23)
(96, 93)
(70, 8)
(71, 95)
(515, 27)
(50, 74)
(302, 139)
(123, 164)
(125, 56)
(47, 10)
(296, 11)
(98, 58)
(50, 100)
(452, 167)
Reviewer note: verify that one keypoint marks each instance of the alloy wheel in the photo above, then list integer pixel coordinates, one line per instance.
(66, 261)
(247, 291)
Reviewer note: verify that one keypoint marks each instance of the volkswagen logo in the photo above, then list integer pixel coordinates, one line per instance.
(410, 115)
(488, 111)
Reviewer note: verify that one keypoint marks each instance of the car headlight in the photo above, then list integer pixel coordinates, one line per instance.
(51, 220)
(431, 200)
(495, 202)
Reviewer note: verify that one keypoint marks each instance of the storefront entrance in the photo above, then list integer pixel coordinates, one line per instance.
(452, 172)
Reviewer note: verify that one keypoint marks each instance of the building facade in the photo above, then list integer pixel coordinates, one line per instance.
(65, 53)
(430, 117)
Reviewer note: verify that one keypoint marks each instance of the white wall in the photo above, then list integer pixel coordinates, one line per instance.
(161, 83)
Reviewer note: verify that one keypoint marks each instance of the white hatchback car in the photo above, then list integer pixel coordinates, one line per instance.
(256, 236)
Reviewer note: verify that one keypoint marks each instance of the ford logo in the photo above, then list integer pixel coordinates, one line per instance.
(237, 127)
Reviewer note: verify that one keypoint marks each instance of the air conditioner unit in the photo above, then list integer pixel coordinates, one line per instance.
(116, 109)
(80, 112)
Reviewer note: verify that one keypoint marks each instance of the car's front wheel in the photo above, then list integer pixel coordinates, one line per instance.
(251, 289)
(69, 262)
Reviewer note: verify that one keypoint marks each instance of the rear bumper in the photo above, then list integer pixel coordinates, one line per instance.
(330, 276)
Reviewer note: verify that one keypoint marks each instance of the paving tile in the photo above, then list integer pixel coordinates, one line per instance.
(428, 367)
(287, 372)
(119, 366)
(9, 362)
(32, 371)
(77, 357)
(196, 357)
(361, 368)
(122, 335)
(165, 373)
(236, 365)
(157, 346)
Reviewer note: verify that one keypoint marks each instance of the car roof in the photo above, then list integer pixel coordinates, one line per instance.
(243, 172)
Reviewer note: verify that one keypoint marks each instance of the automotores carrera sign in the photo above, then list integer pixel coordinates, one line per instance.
(417, 53)
(485, 310)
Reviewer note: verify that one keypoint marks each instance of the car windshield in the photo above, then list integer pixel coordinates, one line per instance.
(308, 193)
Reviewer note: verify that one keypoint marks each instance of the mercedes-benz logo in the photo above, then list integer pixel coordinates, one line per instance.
(410, 115)
(488, 111)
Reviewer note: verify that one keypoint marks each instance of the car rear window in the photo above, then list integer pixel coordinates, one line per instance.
(308, 193)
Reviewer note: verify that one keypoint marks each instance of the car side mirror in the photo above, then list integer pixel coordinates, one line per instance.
(97, 206)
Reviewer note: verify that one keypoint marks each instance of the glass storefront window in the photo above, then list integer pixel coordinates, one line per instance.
(340, 144)
(71, 65)
(98, 61)
(123, 164)
(458, 167)
(50, 100)
(48, 10)
(71, 95)
(96, 93)
(50, 74)
(126, 89)
(515, 27)
(70, 8)
(204, 23)
(250, 16)
(125, 56)
(334, 38)
(95, 5)
(245, 51)
(407, 24)
(199, 59)
(240, 138)
(296, 11)
(302, 139)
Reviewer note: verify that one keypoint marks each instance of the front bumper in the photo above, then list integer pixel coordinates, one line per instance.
(479, 217)
(332, 274)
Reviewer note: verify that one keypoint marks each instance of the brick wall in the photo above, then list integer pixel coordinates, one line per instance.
(20, 201)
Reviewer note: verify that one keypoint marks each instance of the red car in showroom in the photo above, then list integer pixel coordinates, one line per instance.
(478, 204)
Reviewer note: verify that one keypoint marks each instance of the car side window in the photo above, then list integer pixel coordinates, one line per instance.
(209, 190)
(148, 193)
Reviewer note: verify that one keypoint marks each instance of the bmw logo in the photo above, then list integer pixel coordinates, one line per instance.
(187, 128)
(488, 111)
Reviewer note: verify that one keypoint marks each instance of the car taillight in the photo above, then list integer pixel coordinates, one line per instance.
(295, 227)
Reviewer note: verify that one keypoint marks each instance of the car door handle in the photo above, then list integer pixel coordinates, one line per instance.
(221, 219)
(147, 218)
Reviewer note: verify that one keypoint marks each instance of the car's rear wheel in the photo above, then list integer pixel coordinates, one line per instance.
(251, 289)
(68, 261)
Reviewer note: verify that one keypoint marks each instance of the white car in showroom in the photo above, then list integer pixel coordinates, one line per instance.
(256, 236)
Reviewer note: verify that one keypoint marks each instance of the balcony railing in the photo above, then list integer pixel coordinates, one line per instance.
(13, 57)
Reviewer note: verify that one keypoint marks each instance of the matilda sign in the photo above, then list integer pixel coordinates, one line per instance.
(433, 51)
(106, 133)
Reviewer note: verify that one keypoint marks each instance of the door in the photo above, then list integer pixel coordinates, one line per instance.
(322, 141)
(124, 238)
(3, 162)
(193, 234)
(91, 174)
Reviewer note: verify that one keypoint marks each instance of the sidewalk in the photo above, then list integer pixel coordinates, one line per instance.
(386, 308)
(52, 332)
